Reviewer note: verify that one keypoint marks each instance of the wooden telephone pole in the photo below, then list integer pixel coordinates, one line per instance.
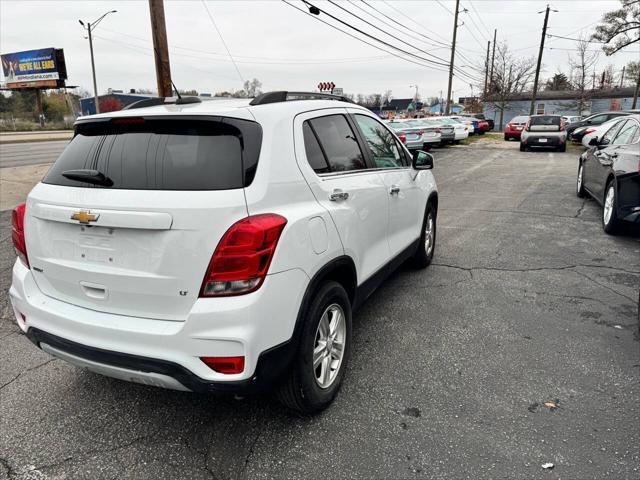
(535, 81)
(160, 47)
(453, 53)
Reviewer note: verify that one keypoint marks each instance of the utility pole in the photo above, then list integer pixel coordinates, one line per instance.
(453, 53)
(160, 47)
(90, 27)
(635, 94)
(486, 73)
(535, 81)
(93, 71)
(493, 57)
(622, 77)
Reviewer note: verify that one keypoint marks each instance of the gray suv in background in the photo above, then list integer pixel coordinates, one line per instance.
(544, 131)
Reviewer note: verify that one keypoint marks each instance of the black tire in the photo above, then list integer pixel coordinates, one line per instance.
(580, 191)
(422, 258)
(612, 226)
(523, 148)
(562, 148)
(481, 132)
(507, 138)
(300, 391)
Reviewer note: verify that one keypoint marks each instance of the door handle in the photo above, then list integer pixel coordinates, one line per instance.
(338, 195)
(394, 190)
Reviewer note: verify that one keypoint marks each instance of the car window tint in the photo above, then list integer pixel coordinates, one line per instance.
(545, 120)
(636, 135)
(315, 156)
(626, 132)
(381, 143)
(607, 138)
(163, 155)
(598, 118)
(339, 143)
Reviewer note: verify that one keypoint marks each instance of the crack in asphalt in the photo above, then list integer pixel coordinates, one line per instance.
(11, 473)
(581, 209)
(250, 454)
(538, 269)
(27, 371)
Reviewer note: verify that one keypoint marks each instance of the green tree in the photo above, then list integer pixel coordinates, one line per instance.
(558, 82)
(620, 28)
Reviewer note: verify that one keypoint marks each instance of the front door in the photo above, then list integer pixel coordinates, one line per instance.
(405, 197)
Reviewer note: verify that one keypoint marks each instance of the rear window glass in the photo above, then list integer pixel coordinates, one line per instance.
(545, 120)
(519, 120)
(162, 154)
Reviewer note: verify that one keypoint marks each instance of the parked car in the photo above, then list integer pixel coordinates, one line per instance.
(609, 171)
(514, 128)
(597, 130)
(480, 116)
(544, 131)
(431, 135)
(460, 129)
(219, 246)
(468, 122)
(410, 135)
(484, 126)
(569, 119)
(596, 119)
(443, 125)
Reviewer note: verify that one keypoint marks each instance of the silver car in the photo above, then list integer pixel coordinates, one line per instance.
(544, 131)
(408, 134)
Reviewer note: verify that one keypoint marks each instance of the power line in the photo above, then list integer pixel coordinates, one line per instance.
(444, 6)
(412, 20)
(476, 27)
(222, 38)
(362, 40)
(473, 7)
(576, 39)
(388, 34)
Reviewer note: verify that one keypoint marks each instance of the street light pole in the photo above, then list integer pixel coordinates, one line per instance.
(89, 28)
(93, 71)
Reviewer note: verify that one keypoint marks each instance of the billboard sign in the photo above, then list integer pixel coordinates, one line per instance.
(34, 68)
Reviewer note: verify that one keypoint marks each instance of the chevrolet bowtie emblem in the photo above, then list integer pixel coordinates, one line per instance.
(84, 216)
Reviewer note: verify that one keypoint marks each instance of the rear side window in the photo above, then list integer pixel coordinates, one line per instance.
(315, 156)
(162, 154)
(339, 143)
(627, 133)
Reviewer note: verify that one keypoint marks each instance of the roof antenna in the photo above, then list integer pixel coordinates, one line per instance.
(171, 79)
(177, 92)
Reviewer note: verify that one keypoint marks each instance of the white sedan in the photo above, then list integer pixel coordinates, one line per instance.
(596, 131)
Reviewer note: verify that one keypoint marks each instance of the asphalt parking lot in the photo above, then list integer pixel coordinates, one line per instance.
(519, 346)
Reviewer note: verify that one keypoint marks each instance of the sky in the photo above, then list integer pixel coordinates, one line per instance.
(287, 49)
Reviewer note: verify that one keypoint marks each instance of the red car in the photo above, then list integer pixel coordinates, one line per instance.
(484, 126)
(514, 128)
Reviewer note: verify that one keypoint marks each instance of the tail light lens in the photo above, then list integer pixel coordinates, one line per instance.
(588, 131)
(17, 232)
(420, 132)
(562, 125)
(224, 364)
(526, 127)
(242, 258)
(402, 136)
(509, 126)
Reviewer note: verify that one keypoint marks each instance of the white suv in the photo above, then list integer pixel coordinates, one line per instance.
(219, 246)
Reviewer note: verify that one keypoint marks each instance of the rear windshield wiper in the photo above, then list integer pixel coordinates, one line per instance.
(89, 176)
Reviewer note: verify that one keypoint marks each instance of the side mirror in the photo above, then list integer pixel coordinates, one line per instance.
(594, 142)
(588, 121)
(422, 160)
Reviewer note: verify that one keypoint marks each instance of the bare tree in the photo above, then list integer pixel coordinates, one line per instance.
(511, 74)
(386, 97)
(581, 64)
(620, 28)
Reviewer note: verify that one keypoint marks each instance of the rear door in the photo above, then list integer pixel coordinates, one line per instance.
(140, 245)
(405, 197)
(331, 159)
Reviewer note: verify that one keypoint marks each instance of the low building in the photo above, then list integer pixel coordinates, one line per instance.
(562, 103)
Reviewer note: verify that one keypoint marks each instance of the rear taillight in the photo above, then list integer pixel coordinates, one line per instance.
(509, 126)
(402, 136)
(420, 132)
(226, 365)
(17, 232)
(588, 131)
(526, 127)
(562, 125)
(241, 259)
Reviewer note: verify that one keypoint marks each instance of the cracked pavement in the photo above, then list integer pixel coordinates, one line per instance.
(527, 302)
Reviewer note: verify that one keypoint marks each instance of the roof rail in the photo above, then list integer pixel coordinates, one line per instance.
(284, 96)
(153, 102)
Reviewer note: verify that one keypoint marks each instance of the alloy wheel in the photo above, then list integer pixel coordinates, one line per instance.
(428, 234)
(608, 204)
(329, 345)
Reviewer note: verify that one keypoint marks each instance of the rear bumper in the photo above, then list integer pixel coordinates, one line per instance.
(542, 141)
(447, 137)
(414, 144)
(513, 133)
(258, 326)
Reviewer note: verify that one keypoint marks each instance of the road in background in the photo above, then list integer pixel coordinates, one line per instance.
(518, 346)
(30, 153)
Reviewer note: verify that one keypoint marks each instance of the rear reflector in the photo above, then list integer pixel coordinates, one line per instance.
(226, 365)
(242, 258)
(17, 232)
